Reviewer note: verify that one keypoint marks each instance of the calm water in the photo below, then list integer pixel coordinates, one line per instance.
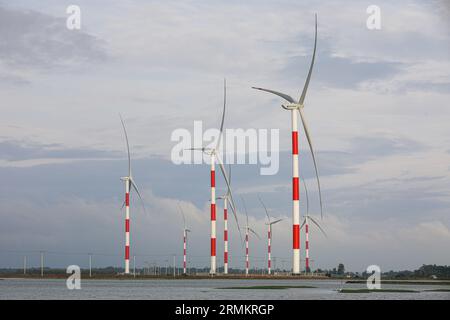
(201, 289)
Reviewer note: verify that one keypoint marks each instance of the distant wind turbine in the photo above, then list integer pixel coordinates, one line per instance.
(214, 154)
(306, 224)
(225, 199)
(185, 231)
(129, 184)
(297, 106)
(247, 231)
(269, 237)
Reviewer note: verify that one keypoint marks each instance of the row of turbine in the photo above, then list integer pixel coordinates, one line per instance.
(248, 230)
(295, 107)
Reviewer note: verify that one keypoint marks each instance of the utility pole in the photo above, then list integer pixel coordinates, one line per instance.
(275, 263)
(24, 264)
(174, 266)
(134, 266)
(90, 265)
(42, 264)
(148, 268)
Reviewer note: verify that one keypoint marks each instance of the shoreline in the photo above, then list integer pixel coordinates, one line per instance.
(219, 277)
(178, 277)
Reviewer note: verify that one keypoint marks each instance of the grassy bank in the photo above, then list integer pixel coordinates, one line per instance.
(160, 277)
(411, 282)
(269, 287)
(375, 290)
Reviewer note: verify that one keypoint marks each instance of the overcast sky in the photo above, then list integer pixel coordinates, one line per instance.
(377, 107)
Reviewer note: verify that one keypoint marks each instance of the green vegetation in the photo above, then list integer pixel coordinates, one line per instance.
(438, 290)
(426, 271)
(269, 287)
(407, 282)
(374, 290)
(341, 269)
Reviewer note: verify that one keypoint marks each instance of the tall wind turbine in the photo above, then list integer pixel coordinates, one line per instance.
(306, 224)
(214, 154)
(297, 106)
(225, 199)
(185, 231)
(129, 185)
(247, 231)
(269, 237)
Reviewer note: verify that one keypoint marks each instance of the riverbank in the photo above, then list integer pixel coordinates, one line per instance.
(162, 277)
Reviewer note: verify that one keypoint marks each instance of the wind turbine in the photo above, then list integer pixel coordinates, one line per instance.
(129, 185)
(297, 106)
(269, 237)
(247, 231)
(306, 224)
(185, 231)
(225, 199)
(214, 154)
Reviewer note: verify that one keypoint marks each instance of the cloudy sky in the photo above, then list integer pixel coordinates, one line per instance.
(377, 108)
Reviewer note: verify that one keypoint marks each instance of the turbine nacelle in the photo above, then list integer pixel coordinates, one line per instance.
(208, 151)
(292, 106)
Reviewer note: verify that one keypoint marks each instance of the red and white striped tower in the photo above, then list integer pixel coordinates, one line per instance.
(297, 106)
(306, 244)
(269, 261)
(127, 225)
(129, 183)
(213, 216)
(269, 237)
(247, 264)
(295, 198)
(184, 250)
(225, 236)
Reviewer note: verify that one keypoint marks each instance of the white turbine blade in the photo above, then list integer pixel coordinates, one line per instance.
(182, 213)
(304, 221)
(307, 197)
(195, 149)
(233, 209)
(308, 137)
(223, 112)
(283, 95)
(305, 88)
(254, 232)
(124, 201)
(318, 226)
(245, 208)
(233, 206)
(276, 221)
(267, 213)
(134, 186)
(128, 146)
(229, 176)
